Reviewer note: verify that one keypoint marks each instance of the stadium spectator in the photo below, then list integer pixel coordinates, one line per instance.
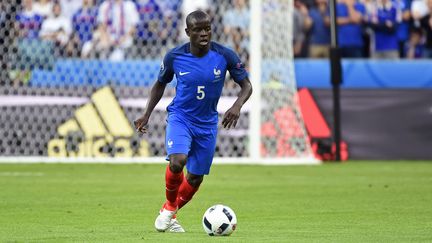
(70, 7)
(157, 28)
(150, 22)
(28, 24)
(100, 44)
(301, 25)
(320, 31)
(426, 24)
(404, 18)
(384, 24)
(84, 21)
(171, 20)
(350, 17)
(236, 27)
(56, 29)
(118, 18)
(414, 48)
(169, 7)
(43, 7)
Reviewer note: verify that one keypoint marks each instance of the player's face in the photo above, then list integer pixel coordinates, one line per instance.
(199, 33)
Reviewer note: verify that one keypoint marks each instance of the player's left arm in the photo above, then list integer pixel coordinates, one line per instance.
(232, 114)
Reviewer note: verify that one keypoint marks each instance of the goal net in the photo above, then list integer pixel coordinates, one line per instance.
(75, 74)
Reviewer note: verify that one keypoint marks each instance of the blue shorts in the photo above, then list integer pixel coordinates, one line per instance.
(198, 143)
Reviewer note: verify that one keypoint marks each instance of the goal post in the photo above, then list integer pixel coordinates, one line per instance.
(255, 30)
(76, 103)
(277, 131)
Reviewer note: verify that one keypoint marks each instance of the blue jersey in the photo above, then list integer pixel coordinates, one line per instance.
(199, 81)
(384, 40)
(320, 33)
(350, 35)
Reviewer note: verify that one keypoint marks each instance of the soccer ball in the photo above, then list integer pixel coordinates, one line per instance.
(219, 220)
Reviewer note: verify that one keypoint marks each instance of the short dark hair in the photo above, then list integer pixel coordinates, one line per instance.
(196, 15)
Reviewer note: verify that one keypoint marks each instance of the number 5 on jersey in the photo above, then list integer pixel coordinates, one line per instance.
(201, 93)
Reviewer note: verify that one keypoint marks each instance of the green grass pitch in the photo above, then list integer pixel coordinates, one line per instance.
(351, 202)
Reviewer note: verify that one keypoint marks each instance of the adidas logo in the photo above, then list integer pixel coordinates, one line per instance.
(98, 129)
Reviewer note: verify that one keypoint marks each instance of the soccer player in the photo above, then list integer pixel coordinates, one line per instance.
(200, 67)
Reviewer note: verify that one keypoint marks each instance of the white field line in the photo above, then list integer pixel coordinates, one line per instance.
(24, 174)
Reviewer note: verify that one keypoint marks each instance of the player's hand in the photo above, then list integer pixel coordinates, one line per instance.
(231, 117)
(141, 124)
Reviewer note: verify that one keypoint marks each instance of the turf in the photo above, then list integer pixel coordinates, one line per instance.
(351, 202)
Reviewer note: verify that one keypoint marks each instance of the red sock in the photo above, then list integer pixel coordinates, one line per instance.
(172, 182)
(185, 193)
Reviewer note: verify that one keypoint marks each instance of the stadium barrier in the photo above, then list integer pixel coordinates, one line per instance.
(309, 73)
(383, 124)
(362, 73)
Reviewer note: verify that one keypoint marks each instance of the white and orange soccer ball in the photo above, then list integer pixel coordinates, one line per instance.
(219, 220)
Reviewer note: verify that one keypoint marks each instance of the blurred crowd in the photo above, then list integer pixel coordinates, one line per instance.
(383, 29)
(115, 29)
(34, 31)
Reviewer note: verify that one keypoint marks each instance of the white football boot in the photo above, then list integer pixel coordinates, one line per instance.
(163, 220)
(175, 227)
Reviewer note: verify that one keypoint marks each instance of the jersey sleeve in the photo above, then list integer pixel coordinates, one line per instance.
(361, 8)
(235, 67)
(166, 72)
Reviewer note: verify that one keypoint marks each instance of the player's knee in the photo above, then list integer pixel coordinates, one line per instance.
(194, 180)
(177, 162)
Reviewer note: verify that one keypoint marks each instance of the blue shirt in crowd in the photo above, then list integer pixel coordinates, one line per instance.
(350, 35)
(320, 33)
(404, 26)
(29, 25)
(84, 23)
(386, 40)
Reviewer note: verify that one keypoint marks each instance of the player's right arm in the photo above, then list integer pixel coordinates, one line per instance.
(166, 75)
(156, 94)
